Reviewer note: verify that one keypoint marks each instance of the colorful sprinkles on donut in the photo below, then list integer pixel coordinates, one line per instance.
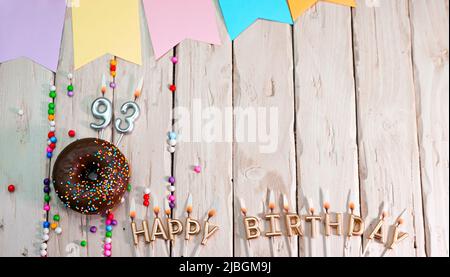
(91, 176)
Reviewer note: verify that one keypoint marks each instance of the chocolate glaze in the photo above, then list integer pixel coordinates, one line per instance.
(91, 176)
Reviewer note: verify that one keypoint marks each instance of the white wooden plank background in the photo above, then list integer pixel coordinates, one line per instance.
(362, 99)
(326, 117)
(22, 143)
(429, 24)
(387, 133)
(265, 45)
(212, 188)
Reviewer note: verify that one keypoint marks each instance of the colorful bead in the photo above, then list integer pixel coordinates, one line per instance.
(108, 222)
(172, 142)
(56, 217)
(113, 222)
(172, 205)
(108, 240)
(129, 187)
(172, 135)
(172, 198)
(146, 196)
(52, 88)
(49, 155)
(93, 229)
(171, 179)
(107, 253)
(70, 93)
(110, 216)
(43, 253)
(46, 230)
(58, 230)
(113, 62)
(172, 88)
(46, 207)
(171, 149)
(46, 181)
(46, 224)
(51, 105)
(197, 169)
(11, 188)
(83, 243)
(70, 87)
(53, 226)
(71, 133)
(47, 189)
(146, 203)
(47, 198)
(53, 139)
(52, 94)
(172, 188)
(174, 60)
(108, 234)
(108, 228)
(112, 85)
(107, 246)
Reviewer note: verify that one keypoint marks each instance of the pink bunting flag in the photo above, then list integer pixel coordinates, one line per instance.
(32, 29)
(172, 21)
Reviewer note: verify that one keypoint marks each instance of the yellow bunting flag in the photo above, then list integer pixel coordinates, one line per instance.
(106, 27)
(298, 7)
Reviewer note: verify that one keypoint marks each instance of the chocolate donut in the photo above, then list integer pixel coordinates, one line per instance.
(91, 176)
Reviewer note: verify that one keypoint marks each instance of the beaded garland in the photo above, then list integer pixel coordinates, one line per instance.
(110, 222)
(171, 196)
(113, 72)
(51, 145)
(172, 141)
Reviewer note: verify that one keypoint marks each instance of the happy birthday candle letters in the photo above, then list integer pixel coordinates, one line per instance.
(169, 229)
(333, 224)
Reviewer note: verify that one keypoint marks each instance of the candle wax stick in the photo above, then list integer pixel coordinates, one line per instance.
(188, 212)
(271, 209)
(286, 210)
(119, 140)
(200, 246)
(327, 243)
